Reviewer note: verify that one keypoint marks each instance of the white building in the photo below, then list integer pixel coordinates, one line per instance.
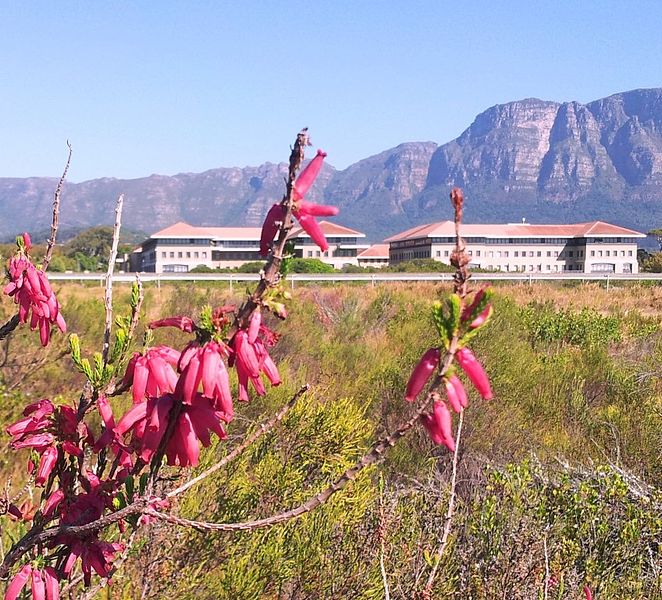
(594, 247)
(182, 247)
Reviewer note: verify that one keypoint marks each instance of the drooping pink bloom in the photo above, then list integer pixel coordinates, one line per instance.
(180, 322)
(152, 374)
(46, 465)
(17, 584)
(32, 292)
(588, 593)
(439, 425)
(52, 584)
(270, 227)
(474, 371)
(453, 398)
(52, 502)
(422, 372)
(38, 587)
(94, 554)
(459, 390)
(149, 421)
(251, 359)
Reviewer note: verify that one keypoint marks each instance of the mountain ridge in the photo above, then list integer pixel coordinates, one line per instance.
(543, 160)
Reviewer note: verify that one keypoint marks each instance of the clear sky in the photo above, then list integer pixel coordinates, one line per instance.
(165, 87)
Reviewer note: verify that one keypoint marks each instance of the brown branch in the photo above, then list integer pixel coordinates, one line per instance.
(56, 213)
(427, 591)
(271, 272)
(109, 278)
(9, 326)
(249, 440)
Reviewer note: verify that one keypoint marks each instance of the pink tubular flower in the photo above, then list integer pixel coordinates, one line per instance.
(305, 212)
(422, 372)
(180, 322)
(439, 425)
(149, 421)
(459, 390)
(38, 587)
(46, 465)
(252, 358)
(474, 371)
(270, 227)
(152, 375)
(588, 593)
(453, 398)
(17, 584)
(53, 502)
(32, 292)
(52, 584)
(482, 318)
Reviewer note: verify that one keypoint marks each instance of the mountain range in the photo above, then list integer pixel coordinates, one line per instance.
(534, 159)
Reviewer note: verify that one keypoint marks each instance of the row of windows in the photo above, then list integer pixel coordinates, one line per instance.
(616, 240)
(332, 240)
(188, 254)
(578, 241)
(237, 255)
(539, 253)
(236, 243)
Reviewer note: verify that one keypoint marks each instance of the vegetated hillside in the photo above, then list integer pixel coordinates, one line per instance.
(566, 456)
(542, 160)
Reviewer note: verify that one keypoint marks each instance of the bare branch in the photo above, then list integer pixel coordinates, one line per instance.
(56, 213)
(427, 591)
(248, 441)
(9, 326)
(109, 278)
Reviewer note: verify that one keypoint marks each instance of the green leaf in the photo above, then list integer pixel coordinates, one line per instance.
(454, 313)
(441, 322)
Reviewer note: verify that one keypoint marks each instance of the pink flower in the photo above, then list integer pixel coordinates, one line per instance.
(17, 584)
(422, 372)
(52, 584)
(252, 358)
(459, 390)
(149, 421)
(52, 502)
(588, 593)
(38, 587)
(453, 398)
(94, 554)
(305, 212)
(32, 292)
(439, 425)
(46, 465)
(152, 375)
(474, 371)
(270, 227)
(181, 322)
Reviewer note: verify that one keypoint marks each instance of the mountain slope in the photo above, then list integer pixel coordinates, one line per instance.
(546, 161)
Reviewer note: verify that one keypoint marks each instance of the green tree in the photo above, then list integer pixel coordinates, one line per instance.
(91, 248)
(653, 264)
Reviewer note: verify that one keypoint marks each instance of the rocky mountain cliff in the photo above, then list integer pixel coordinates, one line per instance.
(545, 161)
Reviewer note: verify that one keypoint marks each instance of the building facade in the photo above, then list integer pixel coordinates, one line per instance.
(345, 245)
(182, 247)
(594, 247)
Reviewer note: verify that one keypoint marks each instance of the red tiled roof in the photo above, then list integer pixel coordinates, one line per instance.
(375, 251)
(330, 230)
(515, 230)
(184, 230)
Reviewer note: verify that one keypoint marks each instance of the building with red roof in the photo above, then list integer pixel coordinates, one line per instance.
(594, 247)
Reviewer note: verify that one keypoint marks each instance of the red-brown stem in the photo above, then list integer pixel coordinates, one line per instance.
(56, 213)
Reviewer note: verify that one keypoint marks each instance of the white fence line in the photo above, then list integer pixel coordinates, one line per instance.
(371, 278)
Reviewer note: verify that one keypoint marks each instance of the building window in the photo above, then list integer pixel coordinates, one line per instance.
(172, 255)
(204, 255)
(627, 267)
(531, 253)
(556, 252)
(188, 255)
(548, 267)
(606, 252)
(506, 253)
(516, 254)
(179, 254)
(539, 253)
(164, 254)
(437, 253)
(592, 252)
(478, 253)
(629, 252)
(570, 253)
(196, 254)
(549, 253)
(445, 252)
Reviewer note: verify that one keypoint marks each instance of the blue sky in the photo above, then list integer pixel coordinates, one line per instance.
(168, 87)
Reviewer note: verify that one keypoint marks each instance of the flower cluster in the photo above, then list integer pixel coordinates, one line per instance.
(45, 584)
(305, 212)
(456, 325)
(32, 291)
